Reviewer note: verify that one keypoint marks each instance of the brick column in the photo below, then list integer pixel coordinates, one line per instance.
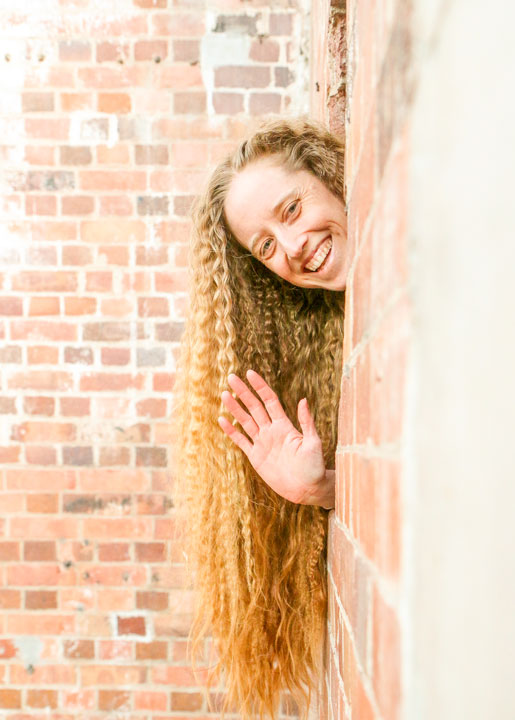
(360, 87)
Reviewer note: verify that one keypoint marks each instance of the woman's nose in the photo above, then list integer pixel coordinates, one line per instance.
(292, 242)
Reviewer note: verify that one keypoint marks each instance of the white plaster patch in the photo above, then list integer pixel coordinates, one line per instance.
(217, 50)
(88, 129)
(29, 649)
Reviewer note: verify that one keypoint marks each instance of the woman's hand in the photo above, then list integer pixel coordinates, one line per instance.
(290, 462)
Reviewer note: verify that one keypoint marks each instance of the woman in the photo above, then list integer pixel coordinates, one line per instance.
(268, 254)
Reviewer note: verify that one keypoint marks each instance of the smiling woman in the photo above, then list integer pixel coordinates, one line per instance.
(301, 237)
(268, 253)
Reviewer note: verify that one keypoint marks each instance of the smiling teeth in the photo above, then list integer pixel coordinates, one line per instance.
(320, 255)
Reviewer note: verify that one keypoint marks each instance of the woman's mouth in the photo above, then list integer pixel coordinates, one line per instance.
(319, 258)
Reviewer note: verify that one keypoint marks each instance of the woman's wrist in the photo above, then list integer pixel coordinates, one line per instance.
(327, 499)
(323, 494)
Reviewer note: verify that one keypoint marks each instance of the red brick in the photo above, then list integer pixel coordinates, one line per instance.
(151, 600)
(11, 306)
(9, 455)
(74, 406)
(71, 155)
(42, 503)
(110, 382)
(113, 231)
(163, 382)
(151, 552)
(43, 281)
(264, 50)
(131, 626)
(262, 103)
(77, 255)
(53, 231)
(281, 24)
(77, 205)
(110, 456)
(115, 356)
(155, 50)
(114, 255)
(10, 600)
(112, 52)
(180, 24)
(44, 306)
(36, 455)
(47, 129)
(151, 154)
(242, 76)
(9, 551)
(80, 356)
(7, 406)
(153, 307)
(151, 255)
(156, 650)
(114, 700)
(146, 700)
(33, 480)
(386, 658)
(116, 103)
(71, 102)
(10, 699)
(189, 103)
(186, 51)
(34, 431)
(41, 204)
(151, 407)
(116, 155)
(114, 552)
(98, 282)
(37, 102)
(116, 205)
(107, 331)
(7, 648)
(39, 155)
(44, 698)
(41, 600)
(228, 103)
(151, 457)
(111, 180)
(74, 51)
(40, 380)
(79, 649)
(80, 305)
(10, 354)
(42, 330)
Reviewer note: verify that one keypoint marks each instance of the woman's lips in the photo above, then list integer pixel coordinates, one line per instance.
(319, 256)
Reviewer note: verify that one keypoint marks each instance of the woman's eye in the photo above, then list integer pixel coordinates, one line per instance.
(266, 248)
(292, 208)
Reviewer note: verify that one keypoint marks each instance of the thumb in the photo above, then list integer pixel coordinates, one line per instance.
(306, 421)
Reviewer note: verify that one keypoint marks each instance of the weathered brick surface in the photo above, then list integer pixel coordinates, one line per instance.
(109, 124)
(361, 87)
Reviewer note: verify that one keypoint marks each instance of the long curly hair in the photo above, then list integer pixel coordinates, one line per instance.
(259, 560)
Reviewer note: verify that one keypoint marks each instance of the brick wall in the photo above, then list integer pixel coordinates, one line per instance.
(360, 86)
(421, 621)
(110, 114)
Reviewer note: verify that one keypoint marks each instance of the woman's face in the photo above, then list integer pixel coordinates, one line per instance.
(291, 222)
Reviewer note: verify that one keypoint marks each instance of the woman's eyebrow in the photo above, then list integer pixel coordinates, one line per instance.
(275, 210)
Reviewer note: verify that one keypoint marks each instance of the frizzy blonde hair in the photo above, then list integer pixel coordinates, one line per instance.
(259, 560)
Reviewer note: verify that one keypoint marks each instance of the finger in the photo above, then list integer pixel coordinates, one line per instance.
(307, 423)
(236, 436)
(267, 395)
(250, 401)
(239, 413)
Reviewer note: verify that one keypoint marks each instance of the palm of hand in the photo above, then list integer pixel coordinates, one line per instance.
(290, 462)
